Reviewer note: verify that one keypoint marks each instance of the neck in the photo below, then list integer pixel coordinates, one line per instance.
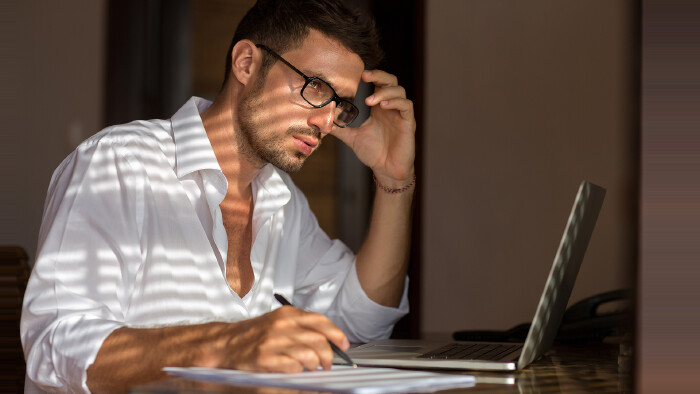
(220, 126)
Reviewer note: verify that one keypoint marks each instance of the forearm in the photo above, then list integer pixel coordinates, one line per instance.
(285, 340)
(382, 261)
(131, 356)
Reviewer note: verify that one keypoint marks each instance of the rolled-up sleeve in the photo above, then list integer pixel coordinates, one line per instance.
(327, 283)
(362, 319)
(88, 246)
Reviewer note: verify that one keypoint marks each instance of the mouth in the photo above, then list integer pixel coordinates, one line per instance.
(306, 144)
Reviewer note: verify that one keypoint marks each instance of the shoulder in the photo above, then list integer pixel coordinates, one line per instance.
(137, 142)
(137, 133)
(141, 139)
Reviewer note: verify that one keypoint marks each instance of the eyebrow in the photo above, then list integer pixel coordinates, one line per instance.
(328, 81)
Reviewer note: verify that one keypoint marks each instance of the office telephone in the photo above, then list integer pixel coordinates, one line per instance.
(590, 319)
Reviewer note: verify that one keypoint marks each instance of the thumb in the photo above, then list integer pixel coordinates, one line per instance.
(345, 134)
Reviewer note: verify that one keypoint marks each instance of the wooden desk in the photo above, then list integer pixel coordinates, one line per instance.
(569, 369)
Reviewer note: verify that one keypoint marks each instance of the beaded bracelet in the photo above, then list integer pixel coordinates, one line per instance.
(393, 191)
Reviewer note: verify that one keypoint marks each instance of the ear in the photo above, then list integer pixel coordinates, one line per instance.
(246, 59)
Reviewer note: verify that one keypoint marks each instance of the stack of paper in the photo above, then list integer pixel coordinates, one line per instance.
(340, 379)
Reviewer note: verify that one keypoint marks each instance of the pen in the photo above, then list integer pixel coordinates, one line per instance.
(336, 349)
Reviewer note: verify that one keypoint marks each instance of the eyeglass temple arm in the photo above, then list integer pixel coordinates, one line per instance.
(280, 58)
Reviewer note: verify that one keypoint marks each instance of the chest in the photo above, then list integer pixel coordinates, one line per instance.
(236, 215)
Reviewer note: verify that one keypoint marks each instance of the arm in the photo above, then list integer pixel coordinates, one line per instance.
(285, 340)
(382, 261)
(386, 143)
(75, 329)
(326, 281)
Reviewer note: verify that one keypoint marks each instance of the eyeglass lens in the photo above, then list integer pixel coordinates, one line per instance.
(318, 93)
(347, 114)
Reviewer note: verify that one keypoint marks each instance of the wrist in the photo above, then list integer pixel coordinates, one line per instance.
(394, 186)
(394, 179)
(208, 345)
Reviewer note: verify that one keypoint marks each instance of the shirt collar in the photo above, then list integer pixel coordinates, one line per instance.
(270, 193)
(193, 151)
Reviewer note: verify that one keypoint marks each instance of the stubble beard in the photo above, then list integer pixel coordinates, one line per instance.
(259, 148)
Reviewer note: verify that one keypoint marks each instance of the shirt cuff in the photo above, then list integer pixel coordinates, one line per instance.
(362, 319)
(98, 331)
(73, 347)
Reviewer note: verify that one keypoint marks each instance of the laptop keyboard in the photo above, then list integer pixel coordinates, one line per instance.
(472, 351)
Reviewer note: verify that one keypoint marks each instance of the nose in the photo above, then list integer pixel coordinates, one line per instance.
(322, 118)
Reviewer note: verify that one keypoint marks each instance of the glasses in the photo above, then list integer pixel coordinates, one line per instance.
(319, 93)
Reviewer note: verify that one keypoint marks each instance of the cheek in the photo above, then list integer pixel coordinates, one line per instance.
(280, 105)
(284, 109)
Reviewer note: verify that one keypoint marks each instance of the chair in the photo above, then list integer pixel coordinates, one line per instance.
(14, 273)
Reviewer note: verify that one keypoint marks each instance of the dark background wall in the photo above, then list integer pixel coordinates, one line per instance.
(52, 98)
(523, 101)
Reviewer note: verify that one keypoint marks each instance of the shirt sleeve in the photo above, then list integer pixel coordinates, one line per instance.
(327, 283)
(88, 247)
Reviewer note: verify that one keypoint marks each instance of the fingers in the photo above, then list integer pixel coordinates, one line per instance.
(388, 93)
(380, 78)
(310, 350)
(272, 362)
(293, 340)
(315, 322)
(304, 337)
(347, 135)
(404, 106)
(291, 354)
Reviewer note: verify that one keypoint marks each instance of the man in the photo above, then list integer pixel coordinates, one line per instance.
(163, 241)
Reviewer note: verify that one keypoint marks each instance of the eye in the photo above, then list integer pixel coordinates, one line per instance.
(315, 85)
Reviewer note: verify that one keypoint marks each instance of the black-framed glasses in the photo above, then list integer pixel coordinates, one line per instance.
(319, 93)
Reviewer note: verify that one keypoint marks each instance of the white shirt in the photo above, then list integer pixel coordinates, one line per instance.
(132, 235)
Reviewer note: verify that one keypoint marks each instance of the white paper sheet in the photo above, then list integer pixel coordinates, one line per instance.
(340, 379)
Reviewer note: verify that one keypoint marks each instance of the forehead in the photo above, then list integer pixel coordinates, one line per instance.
(328, 59)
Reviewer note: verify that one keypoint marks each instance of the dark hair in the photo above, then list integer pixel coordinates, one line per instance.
(283, 25)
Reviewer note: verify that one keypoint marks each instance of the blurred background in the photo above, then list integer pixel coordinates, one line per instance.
(516, 103)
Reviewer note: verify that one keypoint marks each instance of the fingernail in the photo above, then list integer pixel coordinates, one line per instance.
(346, 343)
(371, 98)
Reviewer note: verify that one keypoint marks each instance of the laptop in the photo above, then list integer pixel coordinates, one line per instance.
(490, 356)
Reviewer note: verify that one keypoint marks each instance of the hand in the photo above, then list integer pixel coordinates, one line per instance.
(385, 142)
(285, 340)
